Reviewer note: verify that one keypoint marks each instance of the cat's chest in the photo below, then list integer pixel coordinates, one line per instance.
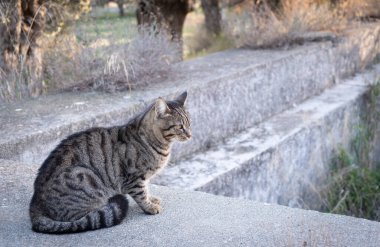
(154, 167)
(147, 168)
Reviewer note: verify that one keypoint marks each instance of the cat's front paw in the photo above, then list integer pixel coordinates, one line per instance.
(155, 200)
(153, 209)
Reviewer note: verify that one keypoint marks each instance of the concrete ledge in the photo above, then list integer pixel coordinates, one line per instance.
(188, 219)
(238, 88)
(215, 83)
(286, 158)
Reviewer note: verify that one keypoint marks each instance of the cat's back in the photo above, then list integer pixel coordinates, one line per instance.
(74, 150)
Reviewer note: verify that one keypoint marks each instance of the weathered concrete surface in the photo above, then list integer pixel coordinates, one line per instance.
(359, 49)
(286, 158)
(237, 88)
(30, 129)
(188, 219)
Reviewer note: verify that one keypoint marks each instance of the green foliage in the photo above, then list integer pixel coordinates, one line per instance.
(354, 187)
(354, 190)
(364, 140)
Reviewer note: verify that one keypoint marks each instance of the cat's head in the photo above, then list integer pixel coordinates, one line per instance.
(172, 119)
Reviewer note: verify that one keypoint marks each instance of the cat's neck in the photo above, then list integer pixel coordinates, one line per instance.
(146, 129)
(154, 136)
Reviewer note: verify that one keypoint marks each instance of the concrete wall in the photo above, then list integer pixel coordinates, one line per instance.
(228, 92)
(237, 88)
(188, 219)
(285, 159)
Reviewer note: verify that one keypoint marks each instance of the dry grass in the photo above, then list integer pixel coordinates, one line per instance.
(20, 83)
(22, 77)
(144, 61)
(100, 53)
(294, 22)
(113, 67)
(68, 62)
(308, 15)
(197, 41)
(359, 8)
(261, 27)
(101, 64)
(202, 43)
(21, 80)
(255, 28)
(103, 56)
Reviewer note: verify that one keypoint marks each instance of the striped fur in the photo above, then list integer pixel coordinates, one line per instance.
(81, 186)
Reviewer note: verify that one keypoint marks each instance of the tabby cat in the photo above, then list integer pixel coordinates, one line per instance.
(81, 185)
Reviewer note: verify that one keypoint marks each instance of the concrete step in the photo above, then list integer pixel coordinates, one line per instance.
(232, 82)
(238, 88)
(286, 158)
(188, 219)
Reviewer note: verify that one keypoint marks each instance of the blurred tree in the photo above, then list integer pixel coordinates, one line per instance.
(273, 4)
(231, 3)
(164, 14)
(21, 27)
(211, 11)
(22, 24)
(120, 4)
(62, 13)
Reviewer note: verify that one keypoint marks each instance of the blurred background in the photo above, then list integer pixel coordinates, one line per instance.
(54, 46)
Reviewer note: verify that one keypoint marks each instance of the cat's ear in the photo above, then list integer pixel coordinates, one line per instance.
(161, 108)
(182, 98)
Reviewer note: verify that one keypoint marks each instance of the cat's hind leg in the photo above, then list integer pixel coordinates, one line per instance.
(109, 215)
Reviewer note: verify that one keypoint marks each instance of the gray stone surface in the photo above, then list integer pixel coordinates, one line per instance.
(188, 219)
(286, 158)
(360, 48)
(229, 91)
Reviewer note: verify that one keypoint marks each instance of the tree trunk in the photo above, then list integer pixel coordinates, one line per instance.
(232, 3)
(272, 4)
(21, 31)
(167, 14)
(212, 16)
(120, 5)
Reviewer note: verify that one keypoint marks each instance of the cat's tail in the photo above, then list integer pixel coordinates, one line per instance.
(110, 214)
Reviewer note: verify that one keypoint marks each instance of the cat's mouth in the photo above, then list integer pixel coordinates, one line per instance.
(188, 135)
(185, 138)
